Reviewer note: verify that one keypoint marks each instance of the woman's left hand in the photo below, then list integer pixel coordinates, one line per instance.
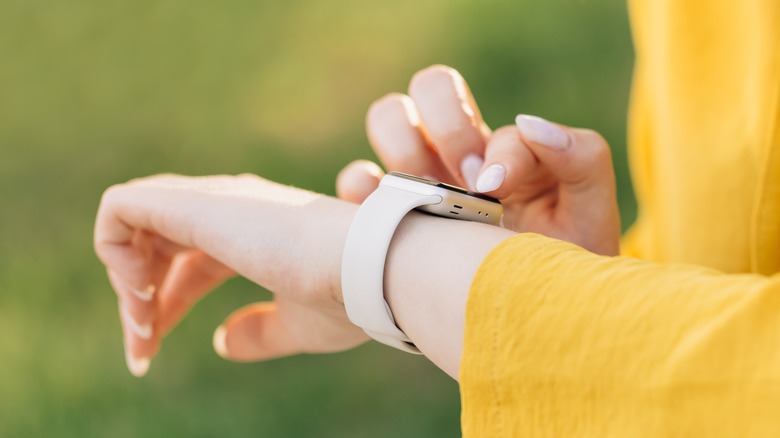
(168, 240)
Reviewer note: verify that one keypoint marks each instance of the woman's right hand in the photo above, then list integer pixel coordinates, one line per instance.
(168, 240)
(551, 179)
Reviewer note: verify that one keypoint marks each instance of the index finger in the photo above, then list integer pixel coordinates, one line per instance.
(451, 120)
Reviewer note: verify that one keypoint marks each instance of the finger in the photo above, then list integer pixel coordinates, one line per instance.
(358, 180)
(510, 167)
(393, 126)
(120, 242)
(269, 330)
(451, 120)
(254, 332)
(192, 275)
(158, 254)
(139, 309)
(140, 306)
(581, 160)
(577, 157)
(133, 217)
(138, 350)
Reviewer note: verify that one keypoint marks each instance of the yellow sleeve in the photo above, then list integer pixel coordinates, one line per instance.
(562, 342)
(704, 133)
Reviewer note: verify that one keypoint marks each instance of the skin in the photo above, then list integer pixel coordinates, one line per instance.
(567, 193)
(168, 240)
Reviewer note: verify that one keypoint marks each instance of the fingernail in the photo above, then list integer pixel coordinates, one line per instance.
(144, 295)
(143, 331)
(137, 367)
(541, 131)
(469, 168)
(491, 178)
(220, 344)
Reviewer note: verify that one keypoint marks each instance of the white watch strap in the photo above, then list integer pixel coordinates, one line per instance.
(363, 262)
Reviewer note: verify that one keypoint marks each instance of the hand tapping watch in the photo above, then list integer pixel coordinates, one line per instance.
(368, 240)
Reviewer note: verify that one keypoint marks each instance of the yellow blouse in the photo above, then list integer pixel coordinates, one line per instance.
(682, 337)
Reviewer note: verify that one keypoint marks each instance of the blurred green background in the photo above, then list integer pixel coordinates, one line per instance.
(98, 92)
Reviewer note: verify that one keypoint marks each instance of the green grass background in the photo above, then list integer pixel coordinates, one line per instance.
(95, 92)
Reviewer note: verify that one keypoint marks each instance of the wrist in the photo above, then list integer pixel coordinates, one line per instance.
(326, 225)
(430, 267)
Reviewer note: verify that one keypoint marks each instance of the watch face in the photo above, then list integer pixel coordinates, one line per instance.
(444, 186)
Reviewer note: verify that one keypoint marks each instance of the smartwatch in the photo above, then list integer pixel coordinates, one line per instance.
(368, 240)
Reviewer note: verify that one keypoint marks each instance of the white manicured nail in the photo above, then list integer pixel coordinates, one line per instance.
(220, 344)
(469, 168)
(143, 331)
(542, 132)
(491, 178)
(144, 295)
(137, 367)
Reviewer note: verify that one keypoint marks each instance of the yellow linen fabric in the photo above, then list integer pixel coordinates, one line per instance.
(704, 129)
(686, 342)
(560, 342)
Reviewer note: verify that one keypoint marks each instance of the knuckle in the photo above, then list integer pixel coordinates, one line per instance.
(505, 136)
(506, 130)
(110, 195)
(456, 136)
(98, 247)
(402, 158)
(111, 192)
(594, 138)
(597, 150)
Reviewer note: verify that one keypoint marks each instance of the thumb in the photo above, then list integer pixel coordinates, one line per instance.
(252, 333)
(264, 331)
(578, 158)
(357, 180)
(581, 161)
